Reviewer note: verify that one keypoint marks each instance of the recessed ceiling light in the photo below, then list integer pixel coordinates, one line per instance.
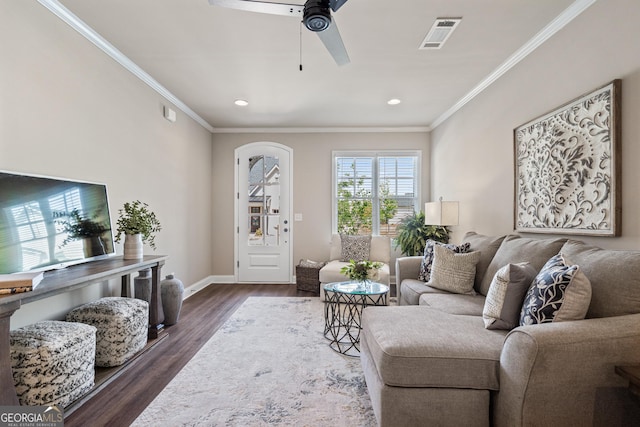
(241, 102)
(394, 101)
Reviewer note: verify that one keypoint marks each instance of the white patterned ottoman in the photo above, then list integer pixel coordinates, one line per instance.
(52, 362)
(122, 325)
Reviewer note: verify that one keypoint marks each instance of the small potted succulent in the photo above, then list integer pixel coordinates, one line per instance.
(138, 224)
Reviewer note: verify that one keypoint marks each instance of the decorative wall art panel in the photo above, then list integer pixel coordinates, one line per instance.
(567, 168)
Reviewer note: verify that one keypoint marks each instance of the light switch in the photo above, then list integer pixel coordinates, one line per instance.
(297, 217)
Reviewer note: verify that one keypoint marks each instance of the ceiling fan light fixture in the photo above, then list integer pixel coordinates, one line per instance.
(317, 15)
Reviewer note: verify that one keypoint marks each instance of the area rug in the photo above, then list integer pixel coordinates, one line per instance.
(269, 365)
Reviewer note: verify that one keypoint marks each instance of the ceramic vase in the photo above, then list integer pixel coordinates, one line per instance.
(142, 285)
(132, 246)
(172, 292)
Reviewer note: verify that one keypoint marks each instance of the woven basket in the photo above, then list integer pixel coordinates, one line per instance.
(308, 279)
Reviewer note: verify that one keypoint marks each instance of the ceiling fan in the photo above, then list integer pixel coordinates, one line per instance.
(315, 15)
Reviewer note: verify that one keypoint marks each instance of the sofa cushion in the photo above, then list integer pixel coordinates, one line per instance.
(453, 272)
(427, 259)
(515, 249)
(380, 249)
(419, 347)
(355, 248)
(560, 292)
(506, 294)
(470, 305)
(614, 277)
(412, 289)
(487, 246)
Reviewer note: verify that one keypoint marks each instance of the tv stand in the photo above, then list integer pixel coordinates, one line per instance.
(74, 277)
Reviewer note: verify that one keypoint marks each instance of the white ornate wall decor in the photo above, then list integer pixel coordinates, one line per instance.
(567, 167)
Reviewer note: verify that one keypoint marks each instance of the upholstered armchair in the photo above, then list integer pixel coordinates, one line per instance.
(378, 250)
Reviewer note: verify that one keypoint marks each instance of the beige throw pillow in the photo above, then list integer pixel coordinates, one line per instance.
(506, 293)
(453, 272)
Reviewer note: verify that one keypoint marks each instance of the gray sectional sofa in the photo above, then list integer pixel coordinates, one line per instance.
(431, 360)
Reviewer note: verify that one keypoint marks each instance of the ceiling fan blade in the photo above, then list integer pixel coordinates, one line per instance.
(261, 7)
(336, 4)
(333, 42)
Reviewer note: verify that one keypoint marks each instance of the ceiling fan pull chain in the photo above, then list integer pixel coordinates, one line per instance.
(300, 45)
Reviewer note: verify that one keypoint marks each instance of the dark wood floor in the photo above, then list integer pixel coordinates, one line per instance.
(120, 403)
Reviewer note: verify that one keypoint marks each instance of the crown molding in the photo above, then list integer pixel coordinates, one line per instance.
(571, 12)
(410, 129)
(90, 34)
(575, 9)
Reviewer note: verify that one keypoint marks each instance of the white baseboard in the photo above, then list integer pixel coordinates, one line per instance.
(222, 279)
(198, 286)
(212, 280)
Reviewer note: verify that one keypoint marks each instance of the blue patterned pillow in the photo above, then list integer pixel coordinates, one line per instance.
(427, 260)
(560, 292)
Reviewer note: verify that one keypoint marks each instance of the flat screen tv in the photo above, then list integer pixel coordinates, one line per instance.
(48, 223)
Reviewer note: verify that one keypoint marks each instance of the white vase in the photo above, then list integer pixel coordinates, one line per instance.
(132, 246)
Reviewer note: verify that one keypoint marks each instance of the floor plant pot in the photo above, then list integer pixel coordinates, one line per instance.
(142, 285)
(133, 246)
(172, 292)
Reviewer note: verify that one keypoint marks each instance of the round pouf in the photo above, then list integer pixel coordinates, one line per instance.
(122, 327)
(172, 292)
(52, 362)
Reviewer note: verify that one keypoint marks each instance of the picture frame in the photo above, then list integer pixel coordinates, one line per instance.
(567, 167)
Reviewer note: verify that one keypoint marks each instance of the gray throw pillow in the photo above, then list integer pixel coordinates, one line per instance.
(560, 292)
(515, 249)
(355, 248)
(453, 272)
(487, 245)
(506, 294)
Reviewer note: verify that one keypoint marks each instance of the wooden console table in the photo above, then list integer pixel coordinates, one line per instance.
(65, 280)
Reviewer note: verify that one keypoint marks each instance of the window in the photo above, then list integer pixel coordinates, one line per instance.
(373, 191)
(33, 231)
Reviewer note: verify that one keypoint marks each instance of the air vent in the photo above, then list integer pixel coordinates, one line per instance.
(439, 33)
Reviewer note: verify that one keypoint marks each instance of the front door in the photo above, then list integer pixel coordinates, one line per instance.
(263, 224)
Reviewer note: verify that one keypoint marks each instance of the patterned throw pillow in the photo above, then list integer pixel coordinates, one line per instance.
(355, 248)
(560, 292)
(506, 293)
(453, 272)
(427, 260)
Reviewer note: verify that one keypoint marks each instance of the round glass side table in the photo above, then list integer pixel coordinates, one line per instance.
(343, 306)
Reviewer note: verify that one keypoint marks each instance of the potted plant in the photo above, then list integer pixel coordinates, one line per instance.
(361, 271)
(79, 227)
(413, 234)
(138, 224)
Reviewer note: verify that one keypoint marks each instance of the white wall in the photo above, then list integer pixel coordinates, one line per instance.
(68, 110)
(311, 185)
(472, 152)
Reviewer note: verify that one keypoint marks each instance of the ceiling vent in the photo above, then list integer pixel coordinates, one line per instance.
(439, 33)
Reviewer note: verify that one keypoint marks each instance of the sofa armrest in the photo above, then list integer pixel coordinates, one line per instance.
(559, 373)
(406, 268)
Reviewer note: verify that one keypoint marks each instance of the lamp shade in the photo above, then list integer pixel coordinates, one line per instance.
(441, 213)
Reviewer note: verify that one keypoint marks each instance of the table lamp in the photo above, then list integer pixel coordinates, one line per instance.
(441, 213)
